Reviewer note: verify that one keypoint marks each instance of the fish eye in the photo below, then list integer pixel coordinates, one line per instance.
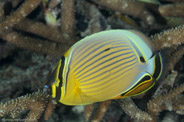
(142, 59)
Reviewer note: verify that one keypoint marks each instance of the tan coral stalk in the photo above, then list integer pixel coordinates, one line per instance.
(67, 21)
(88, 111)
(174, 10)
(45, 31)
(129, 7)
(53, 3)
(101, 110)
(49, 110)
(27, 7)
(169, 38)
(39, 45)
(132, 110)
(35, 102)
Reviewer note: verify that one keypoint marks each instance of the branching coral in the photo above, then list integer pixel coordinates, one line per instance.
(177, 10)
(169, 101)
(19, 15)
(44, 46)
(128, 7)
(99, 112)
(169, 38)
(53, 31)
(35, 102)
(129, 108)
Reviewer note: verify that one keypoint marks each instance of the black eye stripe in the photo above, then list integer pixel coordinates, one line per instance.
(145, 78)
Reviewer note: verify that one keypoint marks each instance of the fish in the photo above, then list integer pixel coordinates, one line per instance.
(111, 64)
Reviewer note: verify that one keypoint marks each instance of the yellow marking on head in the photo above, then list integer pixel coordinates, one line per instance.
(141, 88)
(53, 90)
(57, 73)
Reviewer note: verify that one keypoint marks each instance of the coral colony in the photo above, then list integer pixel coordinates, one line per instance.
(34, 34)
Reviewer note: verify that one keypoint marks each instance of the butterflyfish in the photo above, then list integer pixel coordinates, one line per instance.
(106, 65)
